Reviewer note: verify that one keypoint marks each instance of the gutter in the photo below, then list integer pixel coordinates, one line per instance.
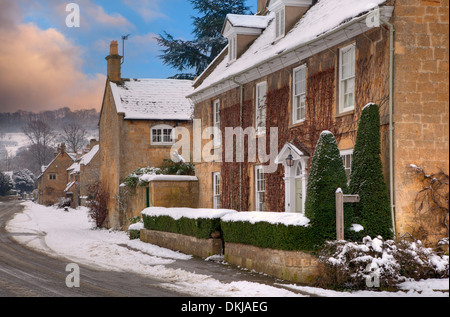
(241, 102)
(391, 123)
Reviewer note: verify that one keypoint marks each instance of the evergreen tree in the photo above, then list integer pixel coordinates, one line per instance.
(327, 174)
(197, 54)
(6, 184)
(366, 178)
(24, 180)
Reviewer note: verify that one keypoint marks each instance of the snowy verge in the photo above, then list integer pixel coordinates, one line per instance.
(72, 235)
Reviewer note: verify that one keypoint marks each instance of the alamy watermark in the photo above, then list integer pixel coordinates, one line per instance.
(73, 18)
(373, 19)
(261, 148)
(373, 277)
(73, 279)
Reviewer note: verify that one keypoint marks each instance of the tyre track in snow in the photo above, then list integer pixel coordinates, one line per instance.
(27, 273)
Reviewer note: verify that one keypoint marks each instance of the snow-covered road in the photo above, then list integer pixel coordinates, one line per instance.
(71, 235)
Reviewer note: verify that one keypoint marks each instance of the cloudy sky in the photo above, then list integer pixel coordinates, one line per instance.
(46, 65)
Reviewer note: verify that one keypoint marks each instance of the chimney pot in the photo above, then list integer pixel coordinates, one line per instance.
(114, 48)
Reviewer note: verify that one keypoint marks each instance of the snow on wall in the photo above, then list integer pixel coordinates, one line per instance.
(178, 213)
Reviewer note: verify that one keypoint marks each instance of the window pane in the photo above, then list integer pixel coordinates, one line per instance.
(277, 22)
(261, 91)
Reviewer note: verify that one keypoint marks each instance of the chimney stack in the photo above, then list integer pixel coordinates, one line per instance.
(114, 62)
(262, 7)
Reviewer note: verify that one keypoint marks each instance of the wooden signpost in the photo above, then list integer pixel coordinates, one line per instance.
(340, 200)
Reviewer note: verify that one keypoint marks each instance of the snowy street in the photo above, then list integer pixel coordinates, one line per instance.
(69, 237)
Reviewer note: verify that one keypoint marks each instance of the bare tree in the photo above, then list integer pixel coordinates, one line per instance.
(42, 138)
(74, 136)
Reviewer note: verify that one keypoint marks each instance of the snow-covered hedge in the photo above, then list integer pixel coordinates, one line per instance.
(199, 223)
(378, 263)
(281, 231)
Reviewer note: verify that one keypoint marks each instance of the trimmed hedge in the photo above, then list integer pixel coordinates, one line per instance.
(271, 236)
(327, 174)
(200, 228)
(367, 180)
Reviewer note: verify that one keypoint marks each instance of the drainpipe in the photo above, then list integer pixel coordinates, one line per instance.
(391, 124)
(241, 102)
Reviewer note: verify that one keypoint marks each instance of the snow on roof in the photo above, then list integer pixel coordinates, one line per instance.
(153, 99)
(45, 168)
(69, 185)
(249, 21)
(87, 158)
(321, 18)
(75, 167)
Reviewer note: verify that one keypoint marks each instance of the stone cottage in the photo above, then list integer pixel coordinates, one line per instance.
(53, 180)
(304, 66)
(138, 123)
(83, 173)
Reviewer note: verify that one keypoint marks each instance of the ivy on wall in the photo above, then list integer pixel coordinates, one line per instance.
(320, 116)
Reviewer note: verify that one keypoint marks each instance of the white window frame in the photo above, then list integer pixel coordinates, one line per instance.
(344, 79)
(300, 97)
(260, 188)
(232, 48)
(216, 191)
(347, 155)
(261, 108)
(280, 23)
(216, 122)
(161, 128)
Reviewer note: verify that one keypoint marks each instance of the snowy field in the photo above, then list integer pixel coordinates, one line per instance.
(12, 142)
(71, 235)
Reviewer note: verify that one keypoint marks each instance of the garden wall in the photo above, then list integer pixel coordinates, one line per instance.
(189, 245)
(295, 266)
(206, 232)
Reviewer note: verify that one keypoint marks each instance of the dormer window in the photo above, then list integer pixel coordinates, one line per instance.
(232, 48)
(280, 21)
(287, 14)
(241, 31)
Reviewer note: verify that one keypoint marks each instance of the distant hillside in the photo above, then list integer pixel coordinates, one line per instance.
(13, 122)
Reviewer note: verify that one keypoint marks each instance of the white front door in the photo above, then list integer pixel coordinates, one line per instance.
(299, 188)
(295, 187)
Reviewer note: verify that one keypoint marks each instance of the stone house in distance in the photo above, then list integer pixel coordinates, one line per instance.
(138, 125)
(53, 180)
(305, 66)
(84, 172)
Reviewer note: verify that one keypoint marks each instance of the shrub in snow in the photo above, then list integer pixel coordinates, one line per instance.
(137, 178)
(326, 176)
(198, 223)
(98, 210)
(63, 202)
(142, 176)
(273, 230)
(170, 167)
(134, 230)
(357, 265)
(24, 180)
(366, 178)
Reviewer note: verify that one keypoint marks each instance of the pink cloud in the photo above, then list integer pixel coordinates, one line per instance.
(41, 69)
